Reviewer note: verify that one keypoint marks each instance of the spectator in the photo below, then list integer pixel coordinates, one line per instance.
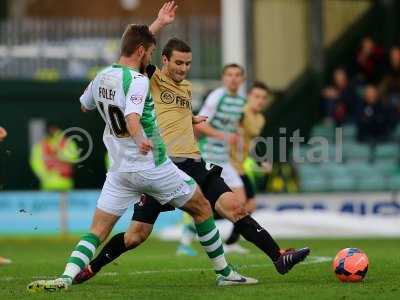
(369, 61)
(51, 160)
(374, 120)
(390, 86)
(338, 100)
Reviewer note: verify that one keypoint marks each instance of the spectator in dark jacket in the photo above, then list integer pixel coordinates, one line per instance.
(339, 101)
(374, 121)
(390, 86)
(369, 61)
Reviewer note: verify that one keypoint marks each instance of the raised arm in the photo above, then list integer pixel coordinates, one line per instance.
(166, 16)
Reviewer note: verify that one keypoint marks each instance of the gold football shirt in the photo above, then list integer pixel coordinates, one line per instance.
(250, 127)
(173, 106)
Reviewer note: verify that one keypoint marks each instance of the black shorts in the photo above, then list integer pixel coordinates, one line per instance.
(248, 187)
(209, 180)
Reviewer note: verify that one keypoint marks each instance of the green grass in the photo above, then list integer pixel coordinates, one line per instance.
(154, 272)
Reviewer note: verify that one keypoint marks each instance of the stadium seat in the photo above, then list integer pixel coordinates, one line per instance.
(308, 170)
(356, 152)
(314, 184)
(396, 134)
(386, 151)
(343, 183)
(301, 153)
(333, 169)
(385, 167)
(326, 131)
(360, 169)
(349, 133)
(394, 183)
(371, 182)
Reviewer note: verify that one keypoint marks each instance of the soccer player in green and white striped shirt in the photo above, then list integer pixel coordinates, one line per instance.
(224, 109)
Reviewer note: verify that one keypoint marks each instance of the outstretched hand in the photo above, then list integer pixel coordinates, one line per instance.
(167, 13)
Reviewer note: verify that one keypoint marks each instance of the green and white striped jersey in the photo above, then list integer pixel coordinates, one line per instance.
(224, 112)
(118, 91)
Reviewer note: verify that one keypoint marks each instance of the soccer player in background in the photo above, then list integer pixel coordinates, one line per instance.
(250, 126)
(172, 98)
(223, 108)
(3, 135)
(139, 163)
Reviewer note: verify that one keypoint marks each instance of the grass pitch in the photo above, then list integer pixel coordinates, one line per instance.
(154, 272)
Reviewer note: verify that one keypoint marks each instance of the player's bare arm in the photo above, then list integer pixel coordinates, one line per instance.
(136, 132)
(206, 129)
(166, 16)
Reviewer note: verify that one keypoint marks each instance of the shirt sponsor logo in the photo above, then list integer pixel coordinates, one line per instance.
(136, 99)
(168, 97)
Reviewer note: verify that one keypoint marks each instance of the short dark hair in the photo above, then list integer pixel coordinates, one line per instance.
(260, 85)
(175, 44)
(236, 66)
(134, 37)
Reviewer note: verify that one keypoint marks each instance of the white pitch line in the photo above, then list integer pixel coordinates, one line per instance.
(310, 261)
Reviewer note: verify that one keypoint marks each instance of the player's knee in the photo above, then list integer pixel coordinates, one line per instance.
(238, 211)
(231, 209)
(134, 239)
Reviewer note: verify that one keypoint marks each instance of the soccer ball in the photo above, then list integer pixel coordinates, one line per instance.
(350, 265)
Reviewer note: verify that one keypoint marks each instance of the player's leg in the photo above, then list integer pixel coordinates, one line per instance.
(226, 205)
(188, 197)
(112, 203)
(187, 236)
(231, 244)
(144, 216)
(137, 233)
(235, 182)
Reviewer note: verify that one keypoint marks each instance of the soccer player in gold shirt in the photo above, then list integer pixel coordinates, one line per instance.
(172, 100)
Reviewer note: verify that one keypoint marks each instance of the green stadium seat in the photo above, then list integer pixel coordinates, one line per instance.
(314, 184)
(301, 153)
(343, 183)
(396, 133)
(308, 170)
(394, 183)
(317, 152)
(387, 151)
(356, 152)
(349, 133)
(385, 167)
(371, 182)
(333, 169)
(359, 169)
(326, 131)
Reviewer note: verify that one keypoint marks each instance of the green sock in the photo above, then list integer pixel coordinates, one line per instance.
(81, 256)
(211, 241)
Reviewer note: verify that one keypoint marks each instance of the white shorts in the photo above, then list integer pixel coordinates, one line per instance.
(231, 176)
(165, 183)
